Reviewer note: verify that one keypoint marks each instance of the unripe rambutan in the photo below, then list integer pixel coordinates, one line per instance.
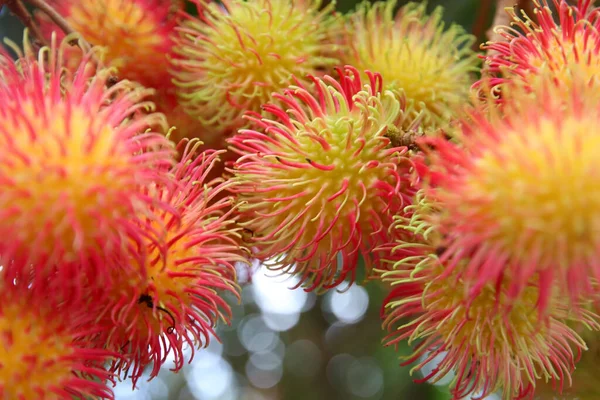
(134, 36)
(490, 341)
(519, 195)
(177, 299)
(41, 353)
(414, 53)
(237, 53)
(73, 160)
(556, 46)
(318, 184)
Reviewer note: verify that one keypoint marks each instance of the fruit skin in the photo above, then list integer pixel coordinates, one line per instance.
(74, 161)
(318, 183)
(180, 295)
(416, 54)
(234, 55)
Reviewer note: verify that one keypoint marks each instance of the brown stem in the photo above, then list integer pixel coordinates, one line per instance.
(19, 10)
(64, 25)
(23, 14)
(501, 18)
(58, 19)
(480, 21)
(527, 6)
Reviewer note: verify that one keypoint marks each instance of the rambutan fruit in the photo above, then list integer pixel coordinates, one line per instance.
(518, 195)
(177, 299)
(553, 45)
(491, 342)
(42, 355)
(73, 161)
(414, 53)
(133, 36)
(237, 53)
(487, 348)
(318, 184)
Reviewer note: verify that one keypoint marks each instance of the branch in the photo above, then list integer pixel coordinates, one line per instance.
(18, 9)
(527, 6)
(21, 12)
(58, 19)
(481, 21)
(501, 18)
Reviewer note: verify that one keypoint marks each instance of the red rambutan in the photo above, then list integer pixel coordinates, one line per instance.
(519, 194)
(491, 342)
(133, 36)
(555, 47)
(318, 184)
(73, 162)
(177, 300)
(42, 354)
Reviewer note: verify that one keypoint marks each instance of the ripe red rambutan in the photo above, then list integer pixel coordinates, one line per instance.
(551, 45)
(318, 184)
(42, 355)
(133, 36)
(73, 162)
(488, 349)
(518, 195)
(178, 298)
(490, 341)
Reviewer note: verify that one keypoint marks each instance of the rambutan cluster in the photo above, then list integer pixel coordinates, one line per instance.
(356, 144)
(116, 249)
(497, 278)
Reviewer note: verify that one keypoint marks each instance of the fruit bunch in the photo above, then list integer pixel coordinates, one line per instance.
(149, 149)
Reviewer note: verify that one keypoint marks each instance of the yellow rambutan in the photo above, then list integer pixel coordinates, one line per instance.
(236, 54)
(414, 53)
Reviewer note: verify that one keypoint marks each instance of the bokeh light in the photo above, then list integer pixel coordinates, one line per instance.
(349, 306)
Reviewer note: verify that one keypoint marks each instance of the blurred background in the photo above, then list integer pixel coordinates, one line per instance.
(292, 345)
